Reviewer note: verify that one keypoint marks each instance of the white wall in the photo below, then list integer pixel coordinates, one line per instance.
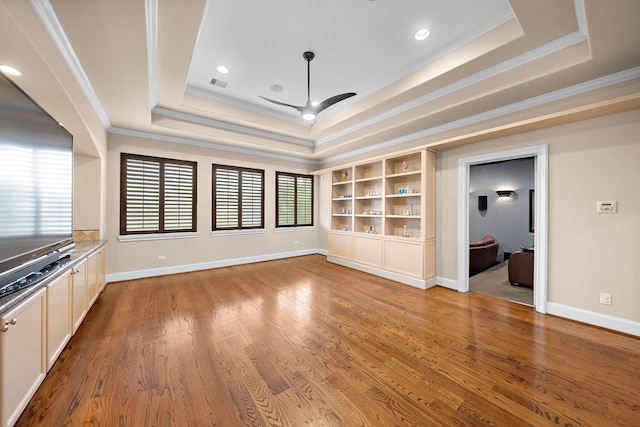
(140, 258)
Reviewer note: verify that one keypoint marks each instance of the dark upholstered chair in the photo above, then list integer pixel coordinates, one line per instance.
(521, 268)
(482, 254)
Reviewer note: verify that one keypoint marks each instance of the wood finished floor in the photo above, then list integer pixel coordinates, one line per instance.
(302, 342)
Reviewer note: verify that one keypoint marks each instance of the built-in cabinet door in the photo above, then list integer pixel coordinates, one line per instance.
(23, 359)
(93, 285)
(367, 250)
(59, 322)
(102, 269)
(340, 245)
(79, 294)
(404, 257)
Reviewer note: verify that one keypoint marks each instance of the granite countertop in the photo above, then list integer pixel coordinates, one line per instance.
(81, 251)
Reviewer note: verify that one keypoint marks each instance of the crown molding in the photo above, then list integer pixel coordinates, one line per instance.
(47, 16)
(209, 145)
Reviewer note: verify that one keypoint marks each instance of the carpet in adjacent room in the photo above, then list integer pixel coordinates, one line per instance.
(495, 281)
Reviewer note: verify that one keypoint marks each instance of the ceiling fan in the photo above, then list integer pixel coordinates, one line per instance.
(309, 111)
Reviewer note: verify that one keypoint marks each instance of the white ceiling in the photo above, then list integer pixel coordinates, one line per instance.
(143, 68)
(361, 46)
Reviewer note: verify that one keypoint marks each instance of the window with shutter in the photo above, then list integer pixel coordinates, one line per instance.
(238, 198)
(157, 195)
(294, 194)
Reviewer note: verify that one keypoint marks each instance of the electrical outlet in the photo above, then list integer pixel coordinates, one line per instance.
(605, 298)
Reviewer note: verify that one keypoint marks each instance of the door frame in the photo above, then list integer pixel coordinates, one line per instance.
(539, 153)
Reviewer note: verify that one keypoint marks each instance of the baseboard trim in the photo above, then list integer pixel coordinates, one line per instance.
(140, 274)
(448, 283)
(411, 281)
(597, 319)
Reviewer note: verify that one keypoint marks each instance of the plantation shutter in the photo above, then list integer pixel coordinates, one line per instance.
(157, 195)
(286, 200)
(238, 195)
(294, 195)
(304, 197)
(178, 197)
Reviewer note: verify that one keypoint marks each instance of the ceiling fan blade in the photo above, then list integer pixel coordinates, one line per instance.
(330, 101)
(282, 103)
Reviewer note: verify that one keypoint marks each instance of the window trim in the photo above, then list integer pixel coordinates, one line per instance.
(295, 208)
(240, 228)
(161, 217)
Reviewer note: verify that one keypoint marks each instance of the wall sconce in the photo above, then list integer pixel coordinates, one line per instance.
(482, 203)
(506, 193)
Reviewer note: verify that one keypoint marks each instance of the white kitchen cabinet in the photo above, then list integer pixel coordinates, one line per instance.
(59, 323)
(101, 272)
(79, 305)
(93, 284)
(23, 363)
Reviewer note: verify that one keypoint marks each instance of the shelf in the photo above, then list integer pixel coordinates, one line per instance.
(390, 196)
(370, 215)
(336, 199)
(396, 175)
(373, 178)
(342, 182)
(404, 216)
(368, 197)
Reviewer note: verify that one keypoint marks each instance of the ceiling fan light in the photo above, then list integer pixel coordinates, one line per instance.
(222, 69)
(308, 115)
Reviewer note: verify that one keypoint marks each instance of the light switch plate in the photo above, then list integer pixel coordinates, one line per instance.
(607, 207)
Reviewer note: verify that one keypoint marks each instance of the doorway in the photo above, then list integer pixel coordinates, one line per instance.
(499, 211)
(539, 199)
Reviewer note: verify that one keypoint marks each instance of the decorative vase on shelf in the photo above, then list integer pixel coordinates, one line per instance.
(405, 166)
(344, 175)
(405, 232)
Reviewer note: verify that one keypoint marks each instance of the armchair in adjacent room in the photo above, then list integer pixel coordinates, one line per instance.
(521, 268)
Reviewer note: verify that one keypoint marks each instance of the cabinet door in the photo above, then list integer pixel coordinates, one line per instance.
(340, 245)
(93, 287)
(102, 269)
(404, 257)
(367, 250)
(23, 361)
(59, 326)
(79, 294)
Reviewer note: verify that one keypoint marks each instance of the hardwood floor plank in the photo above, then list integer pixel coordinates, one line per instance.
(301, 341)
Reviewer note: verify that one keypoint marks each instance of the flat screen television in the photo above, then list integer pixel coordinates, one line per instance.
(36, 188)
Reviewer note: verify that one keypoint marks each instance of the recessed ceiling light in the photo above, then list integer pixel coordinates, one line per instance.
(222, 69)
(422, 34)
(276, 88)
(10, 70)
